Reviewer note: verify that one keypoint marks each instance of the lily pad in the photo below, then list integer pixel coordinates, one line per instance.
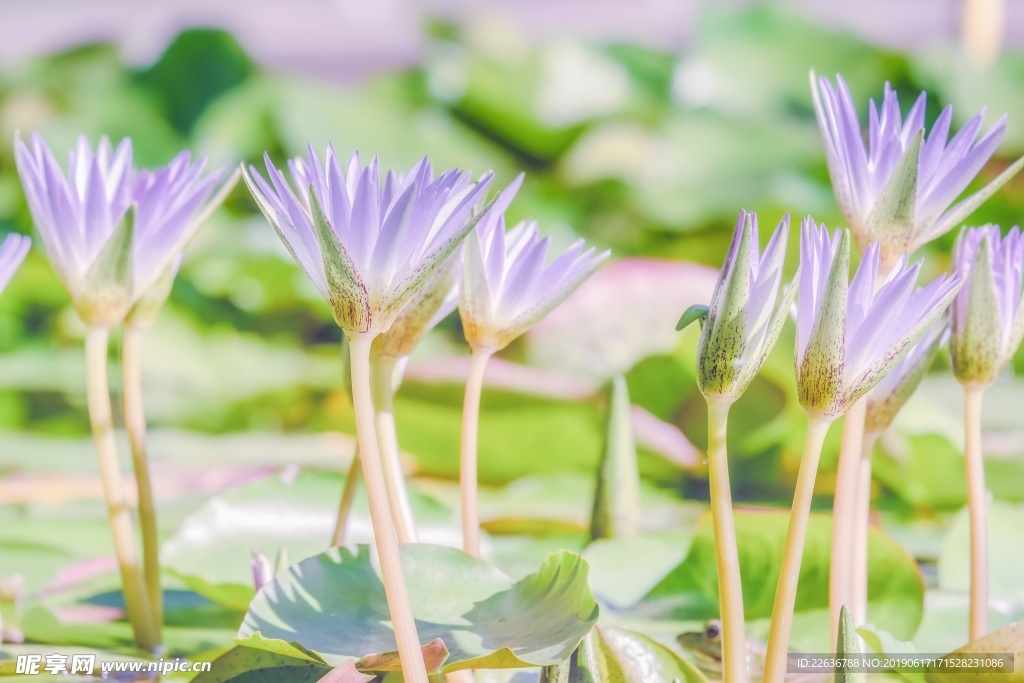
(334, 605)
(292, 512)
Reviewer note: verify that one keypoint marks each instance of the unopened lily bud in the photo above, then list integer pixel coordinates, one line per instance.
(988, 314)
(746, 312)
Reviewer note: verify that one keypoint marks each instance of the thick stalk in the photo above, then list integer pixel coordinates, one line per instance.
(98, 396)
(135, 425)
(976, 504)
(467, 467)
(382, 371)
(789, 572)
(844, 513)
(730, 589)
(413, 668)
(859, 596)
(348, 495)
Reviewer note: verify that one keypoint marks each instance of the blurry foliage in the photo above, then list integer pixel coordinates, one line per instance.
(650, 153)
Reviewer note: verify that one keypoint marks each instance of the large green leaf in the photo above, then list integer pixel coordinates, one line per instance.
(334, 604)
(621, 656)
(1006, 554)
(690, 592)
(212, 549)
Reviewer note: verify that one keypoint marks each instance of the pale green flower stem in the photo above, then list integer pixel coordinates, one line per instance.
(348, 496)
(844, 517)
(796, 535)
(98, 397)
(382, 372)
(730, 589)
(468, 455)
(859, 596)
(135, 425)
(976, 504)
(413, 668)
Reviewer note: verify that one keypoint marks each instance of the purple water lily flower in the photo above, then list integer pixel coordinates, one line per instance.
(850, 335)
(988, 314)
(368, 246)
(109, 230)
(508, 284)
(898, 188)
(12, 252)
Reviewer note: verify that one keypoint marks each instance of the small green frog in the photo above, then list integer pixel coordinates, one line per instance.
(705, 648)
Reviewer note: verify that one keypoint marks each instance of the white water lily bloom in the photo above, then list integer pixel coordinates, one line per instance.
(849, 335)
(988, 314)
(746, 312)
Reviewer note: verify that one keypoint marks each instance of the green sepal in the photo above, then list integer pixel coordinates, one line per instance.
(821, 370)
(104, 295)
(891, 220)
(848, 645)
(692, 314)
(347, 293)
(976, 347)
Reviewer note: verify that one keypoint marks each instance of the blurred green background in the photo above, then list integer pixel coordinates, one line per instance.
(645, 150)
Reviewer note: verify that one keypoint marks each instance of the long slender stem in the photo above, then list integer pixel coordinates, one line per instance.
(135, 425)
(730, 588)
(413, 668)
(976, 503)
(467, 466)
(348, 495)
(796, 534)
(382, 370)
(859, 596)
(98, 396)
(844, 512)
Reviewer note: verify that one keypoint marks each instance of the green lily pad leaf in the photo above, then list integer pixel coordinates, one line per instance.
(1006, 554)
(884, 643)
(40, 625)
(690, 592)
(255, 665)
(635, 658)
(334, 604)
(617, 575)
(211, 549)
(1009, 640)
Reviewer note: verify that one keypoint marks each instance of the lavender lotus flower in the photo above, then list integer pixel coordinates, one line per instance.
(988, 314)
(12, 252)
(849, 336)
(368, 247)
(111, 232)
(899, 189)
(890, 395)
(508, 285)
(746, 312)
